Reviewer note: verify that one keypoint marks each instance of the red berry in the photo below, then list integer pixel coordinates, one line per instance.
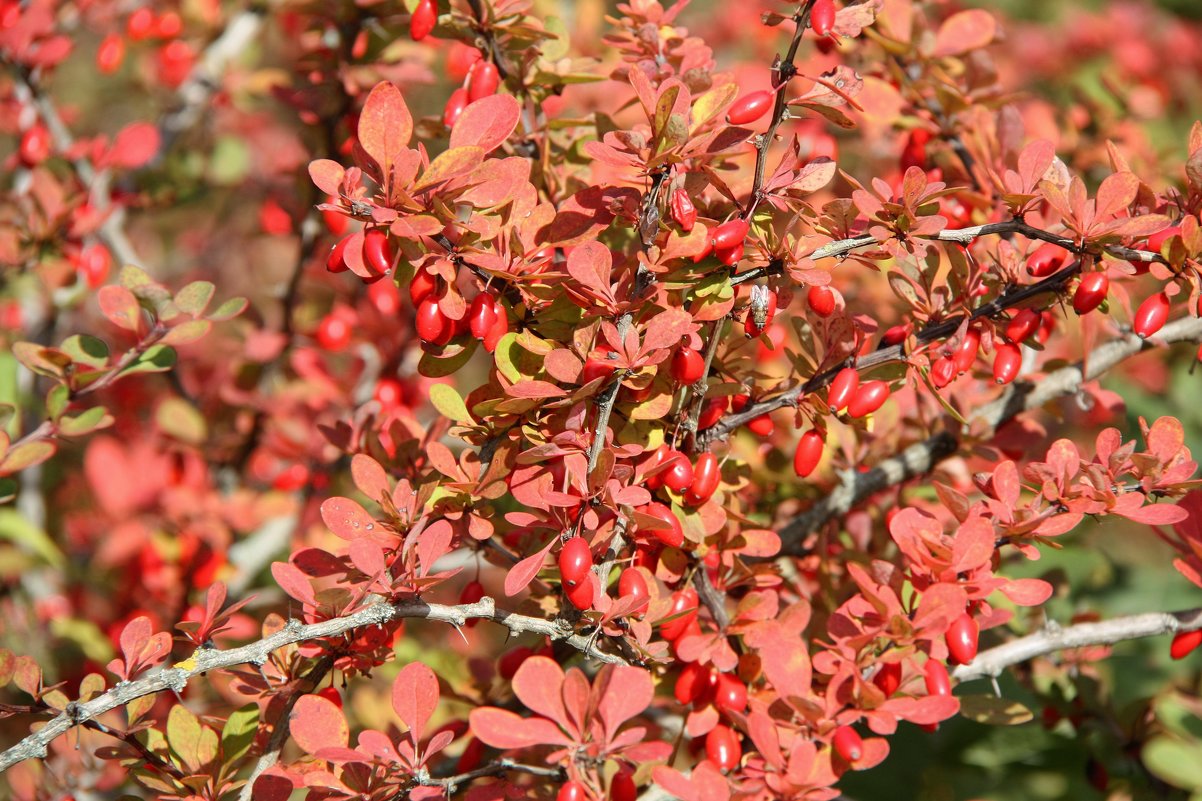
(937, 680)
(966, 352)
(761, 312)
(1090, 292)
(914, 154)
(688, 365)
(175, 60)
(472, 592)
(432, 325)
(731, 694)
(712, 412)
(843, 387)
(679, 474)
(730, 256)
(684, 604)
(943, 370)
(706, 477)
(510, 661)
(761, 426)
(683, 210)
(422, 286)
(1184, 643)
(335, 262)
(377, 252)
(334, 332)
(822, 16)
(1046, 259)
(500, 328)
(594, 369)
(482, 315)
(730, 233)
(110, 54)
(673, 536)
(848, 744)
(750, 107)
(1024, 324)
(1151, 315)
(622, 786)
(94, 264)
(809, 453)
(694, 683)
(390, 394)
(722, 747)
(821, 300)
(962, 637)
(868, 398)
(482, 81)
(34, 147)
(460, 59)
(571, 791)
(168, 25)
(582, 595)
(631, 584)
(455, 105)
(1006, 362)
(424, 18)
(1156, 241)
(888, 678)
(140, 24)
(896, 335)
(575, 562)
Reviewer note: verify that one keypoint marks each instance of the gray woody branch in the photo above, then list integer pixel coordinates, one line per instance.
(257, 653)
(922, 457)
(1054, 638)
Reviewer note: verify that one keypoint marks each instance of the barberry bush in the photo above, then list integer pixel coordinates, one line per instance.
(500, 399)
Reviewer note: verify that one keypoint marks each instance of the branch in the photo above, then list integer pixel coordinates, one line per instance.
(1054, 638)
(197, 91)
(203, 660)
(921, 457)
(279, 736)
(498, 768)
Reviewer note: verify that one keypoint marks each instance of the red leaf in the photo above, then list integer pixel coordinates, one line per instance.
(501, 728)
(327, 175)
(538, 684)
(973, 545)
(625, 692)
(433, 544)
(293, 582)
(370, 477)
(385, 125)
(535, 389)
(521, 574)
(316, 722)
(347, 519)
(120, 306)
(965, 31)
(1160, 514)
(1116, 193)
(666, 328)
(415, 697)
(368, 557)
(1027, 592)
(135, 145)
(487, 122)
(591, 264)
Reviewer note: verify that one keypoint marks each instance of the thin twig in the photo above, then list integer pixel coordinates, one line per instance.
(992, 662)
(176, 677)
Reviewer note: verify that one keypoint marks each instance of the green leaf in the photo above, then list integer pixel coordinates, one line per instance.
(448, 403)
(433, 365)
(187, 332)
(994, 711)
(239, 733)
(183, 735)
(25, 535)
(56, 401)
(156, 359)
(8, 489)
(27, 455)
(85, 422)
(43, 361)
(179, 419)
(228, 310)
(84, 349)
(194, 298)
(1175, 761)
